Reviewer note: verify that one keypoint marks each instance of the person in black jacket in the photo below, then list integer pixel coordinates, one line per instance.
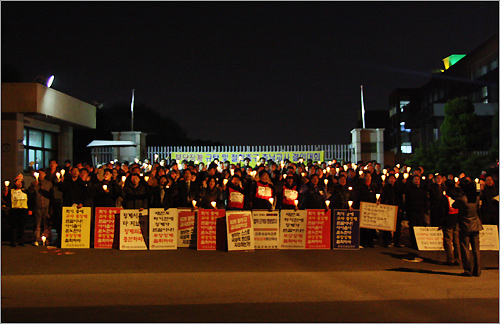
(341, 194)
(164, 194)
(436, 189)
(390, 196)
(314, 194)
(367, 191)
(188, 190)
(449, 224)
(417, 207)
(107, 191)
(489, 205)
(73, 189)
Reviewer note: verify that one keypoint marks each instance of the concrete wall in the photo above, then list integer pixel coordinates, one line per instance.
(130, 153)
(368, 144)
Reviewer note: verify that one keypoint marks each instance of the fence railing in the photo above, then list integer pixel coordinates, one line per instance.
(341, 152)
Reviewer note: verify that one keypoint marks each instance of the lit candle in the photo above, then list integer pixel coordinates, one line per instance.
(350, 188)
(337, 170)
(142, 175)
(213, 203)
(382, 177)
(444, 193)
(478, 187)
(7, 183)
(124, 178)
(105, 187)
(271, 200)
(476, 180)
(296, 202)
(409, 169)
(377, 196)
(330, 162)
(423, 177)
(360, 172)
(354, 167)
(136, 160)
(194, 203)
(307, 168)
(398, 165)
(350, 203)
(319, 162)
(327, 202)
(156, 157)
(178, 161)
(63, 172)
(324, 171)
(406, 175)
(326, 182)
(284, 176)
(232, 172)
(436, 174)
(328, 169)
(240, 158)
(58, 175)
(43, 240)
(384, 171)
(225, 181)
(456, 179)
(146, 178)
(303, 174)
(396, 175)
(345, 167)
(36, 174)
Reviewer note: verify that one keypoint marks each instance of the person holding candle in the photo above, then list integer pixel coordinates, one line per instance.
(17, 199)
(367, 191)
(436, 188)
(107, 191)
(314, 194)
(209, 193)
(448, 223)
(134, 194)
(235, 193)
(164, 195)
(188, 190)
(43, 193)
(470, 225)
(391, 196)
(289, 194)
(262, 190)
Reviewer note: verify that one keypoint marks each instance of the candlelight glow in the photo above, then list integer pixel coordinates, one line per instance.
(284, 176)
(58, 175)
(360, 172)
(377, 196)
(63, 172)
(384, 171)
(444, 193)
(409, 169)
(194, 203)
(296, 202)
(224, 181)
(146, 178)
(327, 203)
(456, 179)
(345, 167)
(406, 175)
(213, 203)
(396, 175)
(350, 188)
(7, 183)
(326, 182)
(423, 177)
(350, 203)
(382, 177)
(124, 178)
(476, 180)
(36, 174)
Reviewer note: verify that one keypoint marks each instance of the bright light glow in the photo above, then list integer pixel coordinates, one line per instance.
(50, 80)
(456, 179)
(7, 183)
(327, 203)
(194, 203)
(326, 182)
(271, 200)
(345, 167)
(406, 175)
(350, 188)
(105, 187)
(296, 202)
(284, 176)
(146, 178)
(225, 181)
(213, 203)
(377, 196)
(124, 178)
(382, 177)
(350, 203)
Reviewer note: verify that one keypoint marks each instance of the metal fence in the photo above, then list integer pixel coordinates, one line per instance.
(341, 152)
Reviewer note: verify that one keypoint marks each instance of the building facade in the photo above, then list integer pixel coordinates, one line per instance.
(37, 125)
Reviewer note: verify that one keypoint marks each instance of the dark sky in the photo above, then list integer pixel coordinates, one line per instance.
(253, 73)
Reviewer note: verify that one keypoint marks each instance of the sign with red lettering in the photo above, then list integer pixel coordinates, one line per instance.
(186, 228)
(240, 234)
(163, 229)
(293, 228)
(207, 228)
(76, 227)
(318, 229)
(104, 232)
(133, 229)
(266, 226)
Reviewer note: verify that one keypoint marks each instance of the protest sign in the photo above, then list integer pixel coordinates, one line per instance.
(186, 228)
(76, 227)
(163, 229)
(428, 238)
(239, 230)
(293, 227)
(318, 229)
(104, 233)
(133, 225)
(207, 228)
(488, 238)
(378, 216)
(266, 226)
(346, 229)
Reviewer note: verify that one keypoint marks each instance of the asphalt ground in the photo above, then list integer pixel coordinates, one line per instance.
(184, 285)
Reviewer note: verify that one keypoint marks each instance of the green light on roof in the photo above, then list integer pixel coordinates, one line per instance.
(452, 59)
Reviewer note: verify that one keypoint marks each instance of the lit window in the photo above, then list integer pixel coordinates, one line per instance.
(406, 148)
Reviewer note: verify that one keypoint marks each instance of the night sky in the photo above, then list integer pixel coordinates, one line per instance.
(255, 73)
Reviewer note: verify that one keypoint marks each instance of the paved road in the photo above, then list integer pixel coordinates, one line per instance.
(369, 285)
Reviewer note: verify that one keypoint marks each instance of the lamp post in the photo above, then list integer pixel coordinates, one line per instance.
(46, 81)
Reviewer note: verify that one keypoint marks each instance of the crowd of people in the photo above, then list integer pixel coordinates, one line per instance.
(446, 201)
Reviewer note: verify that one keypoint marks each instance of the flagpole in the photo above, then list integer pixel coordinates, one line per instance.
(362, 108)
(132, 111)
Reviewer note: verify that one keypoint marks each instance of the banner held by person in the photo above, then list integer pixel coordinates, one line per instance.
(186, 228)
(318, 229)
(266, 229)
(346, 229)
(76, 227)
(240, 234)
(133, 229)
(488, 238)
(378, 216)
(163, 228)
(104, 233)
(293, 228)
(207, 228)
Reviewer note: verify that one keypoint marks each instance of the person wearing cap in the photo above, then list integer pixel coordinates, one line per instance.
(43, 191)
(17, 199)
